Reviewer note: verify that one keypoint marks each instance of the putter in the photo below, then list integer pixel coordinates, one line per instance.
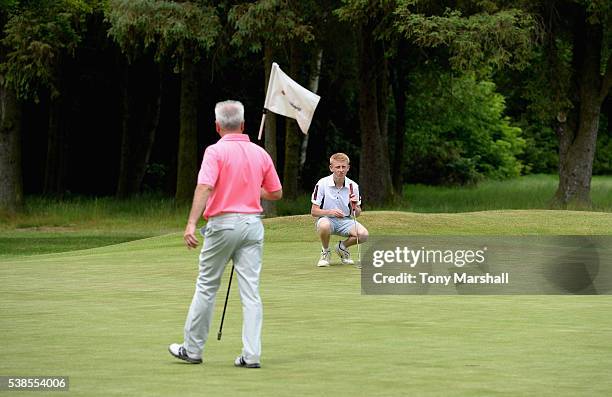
(356, 229)
(225, 306)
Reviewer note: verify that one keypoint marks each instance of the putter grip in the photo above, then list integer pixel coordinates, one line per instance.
(351, 190)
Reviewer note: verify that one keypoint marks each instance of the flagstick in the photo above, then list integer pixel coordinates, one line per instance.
(263, 119)
(356, 227)
(358, 248)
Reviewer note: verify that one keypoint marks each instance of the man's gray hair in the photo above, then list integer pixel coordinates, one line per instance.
(229, 114)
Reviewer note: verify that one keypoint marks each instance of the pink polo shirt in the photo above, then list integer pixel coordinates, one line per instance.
(237, 169)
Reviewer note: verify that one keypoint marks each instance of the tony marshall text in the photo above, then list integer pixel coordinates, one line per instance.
(426, 278)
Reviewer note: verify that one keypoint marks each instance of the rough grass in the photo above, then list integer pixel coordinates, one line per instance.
(105, 316)
(49, 225)
(528, 192)
(155, 214)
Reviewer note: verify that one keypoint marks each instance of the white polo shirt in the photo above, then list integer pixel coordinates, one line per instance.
(327, 196)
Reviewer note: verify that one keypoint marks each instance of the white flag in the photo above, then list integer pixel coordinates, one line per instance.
(290, 99)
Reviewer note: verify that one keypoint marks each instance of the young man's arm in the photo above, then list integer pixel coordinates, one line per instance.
(316, 211)
(355, 198)
(318, 195)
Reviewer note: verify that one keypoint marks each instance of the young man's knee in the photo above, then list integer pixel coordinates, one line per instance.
(324, 226)
(363, 235)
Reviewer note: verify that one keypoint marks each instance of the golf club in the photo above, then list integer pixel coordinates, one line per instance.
(225, 305)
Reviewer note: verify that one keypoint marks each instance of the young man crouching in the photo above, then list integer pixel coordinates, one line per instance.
(334, 199)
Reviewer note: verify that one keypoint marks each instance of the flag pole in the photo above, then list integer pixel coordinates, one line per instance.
(261, 126)
(356, 227)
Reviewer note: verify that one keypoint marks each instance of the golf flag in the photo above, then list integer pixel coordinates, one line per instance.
(288, 98)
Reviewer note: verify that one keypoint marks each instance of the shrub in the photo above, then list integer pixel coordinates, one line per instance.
(456, 132)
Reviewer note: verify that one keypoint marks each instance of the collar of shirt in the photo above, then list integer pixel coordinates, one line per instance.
(235, 137)
(332, 183)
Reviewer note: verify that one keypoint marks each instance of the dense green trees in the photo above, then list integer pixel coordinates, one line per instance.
(456, 132)
(267, 26)
(39, 39)
(373, 92)
(573, 76)
(435, 92)
(175, 35)
(11, 194)
(455, 127)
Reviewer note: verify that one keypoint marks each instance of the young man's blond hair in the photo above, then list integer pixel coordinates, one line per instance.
(340, 157)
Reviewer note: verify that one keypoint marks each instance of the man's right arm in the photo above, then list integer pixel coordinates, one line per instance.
(271, 196)
(200, 198)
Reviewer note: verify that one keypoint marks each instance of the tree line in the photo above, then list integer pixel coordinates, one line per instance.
(116, 96)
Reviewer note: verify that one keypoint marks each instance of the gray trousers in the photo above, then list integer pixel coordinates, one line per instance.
(238, 237)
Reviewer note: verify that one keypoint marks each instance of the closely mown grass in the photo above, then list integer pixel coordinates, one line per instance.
(105, 316)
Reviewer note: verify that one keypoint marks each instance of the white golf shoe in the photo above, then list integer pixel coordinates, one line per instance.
(325, 257)
(241, 362)
(345, 256)
(179, 352)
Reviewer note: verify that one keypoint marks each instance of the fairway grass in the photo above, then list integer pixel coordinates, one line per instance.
(105, 316)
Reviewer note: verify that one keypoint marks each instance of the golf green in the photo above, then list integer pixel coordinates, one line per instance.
(105, 316)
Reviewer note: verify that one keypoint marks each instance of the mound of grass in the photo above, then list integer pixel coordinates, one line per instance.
(48, 225)
(517, 222)
(283, 229)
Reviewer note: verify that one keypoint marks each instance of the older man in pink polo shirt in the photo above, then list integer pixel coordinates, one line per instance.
(235, 175)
